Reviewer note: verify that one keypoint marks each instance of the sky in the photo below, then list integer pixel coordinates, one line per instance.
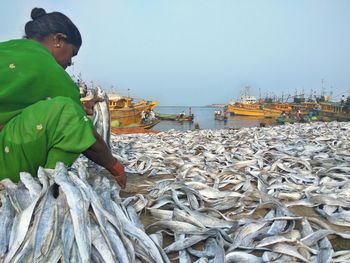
(201, 52)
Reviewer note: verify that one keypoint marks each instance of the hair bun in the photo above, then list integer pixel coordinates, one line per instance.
(37, 12)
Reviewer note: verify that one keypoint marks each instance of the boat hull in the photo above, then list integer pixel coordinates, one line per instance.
(248, 110)
(148, 125)
(174, 117)
(220, 118)
(129, 115)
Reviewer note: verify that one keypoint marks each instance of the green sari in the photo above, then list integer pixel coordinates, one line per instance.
(44, 119)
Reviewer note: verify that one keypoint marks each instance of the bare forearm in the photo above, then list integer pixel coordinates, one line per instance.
(99, 152)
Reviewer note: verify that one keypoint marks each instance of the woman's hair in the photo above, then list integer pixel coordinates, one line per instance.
(45, 24)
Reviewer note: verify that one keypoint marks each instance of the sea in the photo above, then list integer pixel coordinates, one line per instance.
(204, 116)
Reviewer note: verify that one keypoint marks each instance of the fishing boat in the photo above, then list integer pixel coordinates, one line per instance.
(305, 107)
(279, 106)
(322, 110)
(175, 117)
(147, 125)
(248, 106)
(332, 111)
(123, 110)
(126, 112)
(220, 117)
(150, 124)
(252, 109)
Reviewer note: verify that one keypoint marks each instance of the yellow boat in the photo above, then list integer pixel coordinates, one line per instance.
(334, 111)
(124, 111)
(252, 109)
(147, 125)
(248, 106)
(279, 106)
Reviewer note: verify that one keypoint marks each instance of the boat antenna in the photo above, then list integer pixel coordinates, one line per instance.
(259, 94)
(288, 97)
(310, 98)
(322, 88)
(331, 93)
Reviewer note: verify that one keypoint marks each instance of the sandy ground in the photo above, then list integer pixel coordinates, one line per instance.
(131, 130)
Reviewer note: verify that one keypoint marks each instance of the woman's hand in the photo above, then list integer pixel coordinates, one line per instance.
(117, 170)
(101, 154)
(89, 105)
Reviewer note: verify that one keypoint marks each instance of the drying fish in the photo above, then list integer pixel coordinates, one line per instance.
(73, 226)
(101, 115)
(234, 196)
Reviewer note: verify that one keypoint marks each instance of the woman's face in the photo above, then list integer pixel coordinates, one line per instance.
(64, 52)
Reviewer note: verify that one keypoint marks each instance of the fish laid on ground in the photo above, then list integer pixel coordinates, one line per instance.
(275, 194)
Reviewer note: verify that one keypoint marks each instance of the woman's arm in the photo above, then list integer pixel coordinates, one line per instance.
(100, 154)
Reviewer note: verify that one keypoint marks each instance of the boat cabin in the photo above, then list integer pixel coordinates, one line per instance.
(119, 102)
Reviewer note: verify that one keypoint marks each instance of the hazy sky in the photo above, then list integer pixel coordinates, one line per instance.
(198, 52)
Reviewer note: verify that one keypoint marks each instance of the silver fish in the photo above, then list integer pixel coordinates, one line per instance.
(78, 213)
(183, 255)
(21, 226)
(236, 257)
(288, 250)
(7, 215)
(101, 118)
(44, 225)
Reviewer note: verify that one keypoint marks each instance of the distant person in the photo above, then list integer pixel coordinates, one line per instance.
(283, 116)
(42, 120)
(152, 115)
(196, 126)
(182, 114)
(191, 113)
(342, 101)
(298, 115)
(83, 89)
(143, 116)
(310, 114)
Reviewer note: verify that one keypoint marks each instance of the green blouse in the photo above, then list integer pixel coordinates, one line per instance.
(29, 73)
(44, 119)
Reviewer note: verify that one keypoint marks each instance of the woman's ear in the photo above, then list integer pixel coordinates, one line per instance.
(58, 39)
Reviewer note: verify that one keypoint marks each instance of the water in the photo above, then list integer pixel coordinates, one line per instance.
(204, 116)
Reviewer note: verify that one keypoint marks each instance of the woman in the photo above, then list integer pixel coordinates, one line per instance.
(42, 120)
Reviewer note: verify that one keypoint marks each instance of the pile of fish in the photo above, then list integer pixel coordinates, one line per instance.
(242, 193)
(62, 216)
(276, 194)
(199, 216)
